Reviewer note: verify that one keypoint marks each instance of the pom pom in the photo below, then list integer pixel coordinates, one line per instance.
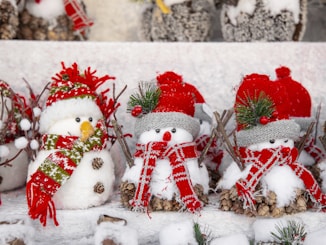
(25, 124)
(37, 111)
(21, 143)
(283, 72)
(4, 151)
(34, 144)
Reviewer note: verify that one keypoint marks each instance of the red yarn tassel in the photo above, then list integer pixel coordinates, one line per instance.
(40, 204)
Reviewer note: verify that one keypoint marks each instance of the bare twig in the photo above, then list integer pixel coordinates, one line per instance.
(229, 146)
(300, 145)
(323, 138)
(317, 120)
(203, 154)
(123, 143)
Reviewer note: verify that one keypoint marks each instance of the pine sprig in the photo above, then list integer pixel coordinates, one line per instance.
(202, 237)
(250, 110)
(293, 233)
(147, 97)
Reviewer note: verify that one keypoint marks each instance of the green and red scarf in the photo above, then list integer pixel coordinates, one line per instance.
(57, 168)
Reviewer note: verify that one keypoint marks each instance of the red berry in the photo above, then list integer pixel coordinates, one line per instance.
(275, 114)
(263, 120)
(136, 111)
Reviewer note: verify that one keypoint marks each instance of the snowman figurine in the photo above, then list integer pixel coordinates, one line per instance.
(73, 169)
(165, 174)
(13, 161)
(269, 181)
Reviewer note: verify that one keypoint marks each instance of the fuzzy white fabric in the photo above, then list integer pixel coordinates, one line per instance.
(69, 108)
(47, 9)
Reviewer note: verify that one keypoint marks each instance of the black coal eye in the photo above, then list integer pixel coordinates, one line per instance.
(157, 130)
(286, 141)
(173, 130)
(200, 121)
(272, 141)
(77, 119)
(90, 119)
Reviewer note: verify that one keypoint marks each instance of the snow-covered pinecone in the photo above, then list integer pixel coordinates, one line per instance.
(261, 25)
(188, 21)
(265, 205)
(8, 19)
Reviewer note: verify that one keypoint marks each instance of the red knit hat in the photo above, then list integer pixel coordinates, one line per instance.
(73, 94)
(262, 111)
(299, 98)
(175, 107)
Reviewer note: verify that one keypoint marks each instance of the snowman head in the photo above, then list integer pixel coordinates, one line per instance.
(262, 114)
(167, 104)
(72, 100)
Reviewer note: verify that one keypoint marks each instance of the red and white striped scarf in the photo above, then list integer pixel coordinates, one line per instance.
(77, 14)
(177, 156)
(263, 161)
(313, 150)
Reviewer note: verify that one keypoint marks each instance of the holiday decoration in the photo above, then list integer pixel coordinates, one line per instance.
(177, 21)
(269, 181)
(263, 20)
(8, 19)
(54, 20)
(73, 169)
(14, 124)
(165, 173)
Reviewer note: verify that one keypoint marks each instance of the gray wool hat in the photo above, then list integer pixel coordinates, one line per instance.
(167, 119)
(304, 122)
(263, 133)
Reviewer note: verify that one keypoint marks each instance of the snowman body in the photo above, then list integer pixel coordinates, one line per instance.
(92, 181)
(162, 184)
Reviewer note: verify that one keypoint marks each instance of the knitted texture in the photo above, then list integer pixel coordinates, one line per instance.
(177, 156)
(57, 168)
(313, 150)
(263, 161)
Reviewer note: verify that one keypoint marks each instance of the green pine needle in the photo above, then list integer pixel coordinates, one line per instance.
(293, 233)
(147, 97)
(250, 110)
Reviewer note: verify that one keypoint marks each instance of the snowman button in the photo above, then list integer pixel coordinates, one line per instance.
(99, 188)
(97, 163)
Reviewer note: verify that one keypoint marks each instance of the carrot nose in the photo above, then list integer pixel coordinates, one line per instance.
(87, 130)
(167, 136)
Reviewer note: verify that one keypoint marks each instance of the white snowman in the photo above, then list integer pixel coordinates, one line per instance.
(13, 161)
(74, 168)
(265, 144)
(165, 161)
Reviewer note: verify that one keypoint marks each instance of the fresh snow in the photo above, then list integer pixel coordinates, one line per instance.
(215, 68)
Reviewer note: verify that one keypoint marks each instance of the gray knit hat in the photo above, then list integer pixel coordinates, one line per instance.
(264, 133)
(168, 103)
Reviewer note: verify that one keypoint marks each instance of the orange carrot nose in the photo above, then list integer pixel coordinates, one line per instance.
(86, 130)
(167, 136)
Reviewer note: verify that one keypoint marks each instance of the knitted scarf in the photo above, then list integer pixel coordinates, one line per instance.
(75, 11)
(57, 168)
(313, 150)
(177, 156)
(214, 154)
(263, 161)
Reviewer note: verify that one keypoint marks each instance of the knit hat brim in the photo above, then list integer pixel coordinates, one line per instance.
(159, 120)
(75, 107)
(264, 133)
(304, 122)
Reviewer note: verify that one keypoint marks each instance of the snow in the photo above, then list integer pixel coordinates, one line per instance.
(171, 2)
(215, 68)
(47, 9)
(238, 239)
(244, 6)
(276, 6)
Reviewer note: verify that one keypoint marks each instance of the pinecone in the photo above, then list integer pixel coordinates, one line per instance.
(265, 206)
(128, 191)
(263, 26)
(8, 20)
(189, 21)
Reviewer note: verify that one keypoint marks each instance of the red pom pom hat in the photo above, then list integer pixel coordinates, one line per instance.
(175, 107)
(299, 98)
(277, 124)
